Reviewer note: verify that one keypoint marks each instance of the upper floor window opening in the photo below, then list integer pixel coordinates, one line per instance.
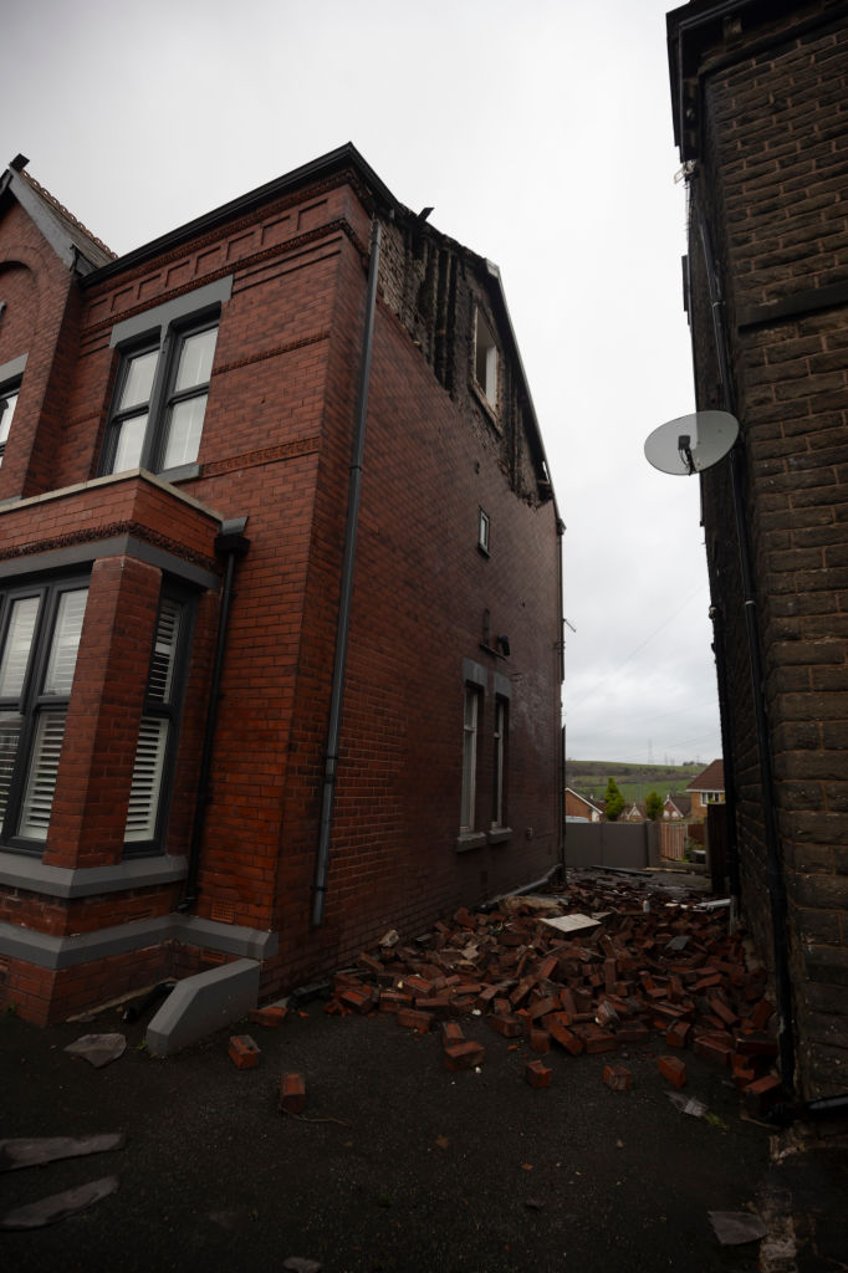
(485, 359)
(483, 527)
(160, 400)
(8, 402)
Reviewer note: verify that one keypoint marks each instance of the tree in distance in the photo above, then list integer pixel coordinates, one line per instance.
(613, 801)
(653, 805)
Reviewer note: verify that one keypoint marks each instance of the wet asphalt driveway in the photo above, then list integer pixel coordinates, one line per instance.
(402, 1166)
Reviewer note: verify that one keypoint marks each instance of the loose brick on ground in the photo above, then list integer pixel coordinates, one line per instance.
(292, 1093)
(243, 1052)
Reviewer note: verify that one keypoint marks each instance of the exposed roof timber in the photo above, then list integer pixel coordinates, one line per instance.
(344, 159)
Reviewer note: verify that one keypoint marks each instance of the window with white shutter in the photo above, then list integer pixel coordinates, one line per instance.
(40, 631)
(157, 728)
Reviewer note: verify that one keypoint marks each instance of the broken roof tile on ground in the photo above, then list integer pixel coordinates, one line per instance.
(589, 969)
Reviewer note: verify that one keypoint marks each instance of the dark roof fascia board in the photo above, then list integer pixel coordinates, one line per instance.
(696, 27)
(335, 161)
(41, 216)
(74, 248)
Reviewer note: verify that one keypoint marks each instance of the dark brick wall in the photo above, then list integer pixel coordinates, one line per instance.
(771, 181)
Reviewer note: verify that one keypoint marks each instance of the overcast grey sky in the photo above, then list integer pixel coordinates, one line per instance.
(542, 134)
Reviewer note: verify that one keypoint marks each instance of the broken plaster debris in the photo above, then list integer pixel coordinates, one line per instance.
(571, 923)
(36, 1215)
(98, 1049)
(734, 1228)
(688, 1104)
(36, 1151)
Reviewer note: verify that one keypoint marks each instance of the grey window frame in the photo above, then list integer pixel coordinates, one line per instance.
(163, 328)
(31, 702)
(163, 395)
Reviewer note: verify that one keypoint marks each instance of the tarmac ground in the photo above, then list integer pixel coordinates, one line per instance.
(396, 1164)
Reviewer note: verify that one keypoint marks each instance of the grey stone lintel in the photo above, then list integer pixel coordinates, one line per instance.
(161, 316)
(13, 369)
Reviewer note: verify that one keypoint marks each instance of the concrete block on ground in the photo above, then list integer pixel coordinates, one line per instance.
(199, 1005)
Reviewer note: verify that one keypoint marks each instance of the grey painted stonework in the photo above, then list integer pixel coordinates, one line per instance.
(199, 1005)
(18, 870)
(47, 951)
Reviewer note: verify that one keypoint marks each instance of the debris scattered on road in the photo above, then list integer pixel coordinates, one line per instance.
(292, 1094)
(688, 1104)
(587, 970)
(36, 1215)
(98, 1049)
(618, 1078)
(734, 1228)
(244, 1052)
(36, 1151)
(571, 923)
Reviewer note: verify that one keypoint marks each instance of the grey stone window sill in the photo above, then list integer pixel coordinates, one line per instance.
(499, 835)
(467, 840)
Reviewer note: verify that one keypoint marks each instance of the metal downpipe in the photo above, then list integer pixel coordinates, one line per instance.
(232, 543)
(331, 754)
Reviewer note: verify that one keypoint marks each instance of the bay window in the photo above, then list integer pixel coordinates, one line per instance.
(40, 630)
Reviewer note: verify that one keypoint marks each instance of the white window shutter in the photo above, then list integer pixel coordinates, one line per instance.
(146, 779)
(41, 780)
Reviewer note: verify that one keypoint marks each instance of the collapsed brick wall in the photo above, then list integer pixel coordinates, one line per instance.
(771, 182)
(434, 286)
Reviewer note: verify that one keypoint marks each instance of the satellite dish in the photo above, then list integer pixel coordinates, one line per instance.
(692, 442)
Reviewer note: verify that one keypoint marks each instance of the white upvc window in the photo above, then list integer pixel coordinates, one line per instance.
(485, 359)
(484, 523)
(160, 402)
(499, 769)
(469, 758)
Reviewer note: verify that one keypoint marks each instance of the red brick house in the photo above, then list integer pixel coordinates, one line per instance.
(706, 789)
(280, 598)
(577, 806)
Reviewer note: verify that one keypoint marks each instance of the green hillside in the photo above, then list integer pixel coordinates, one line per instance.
(590, 777)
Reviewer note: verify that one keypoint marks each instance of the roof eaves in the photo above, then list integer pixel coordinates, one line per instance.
(75, 246)
(335, 161)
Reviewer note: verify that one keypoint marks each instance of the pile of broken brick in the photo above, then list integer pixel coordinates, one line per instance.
(592, 969)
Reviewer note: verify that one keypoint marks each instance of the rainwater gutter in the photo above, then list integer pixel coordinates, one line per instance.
(331, 753)
(230, 544)
(774, 875)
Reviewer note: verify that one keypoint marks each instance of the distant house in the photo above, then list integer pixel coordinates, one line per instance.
(676, 806)
(577, 806)
(634, 813)
(707, 789)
